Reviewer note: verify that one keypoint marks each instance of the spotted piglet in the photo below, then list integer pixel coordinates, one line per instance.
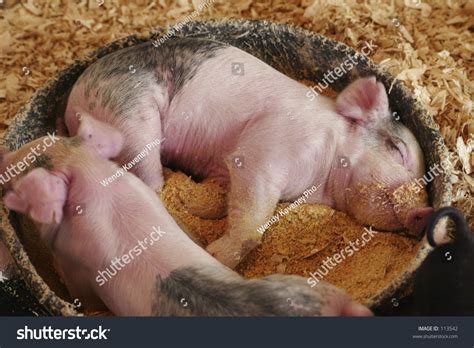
(225, 114)
(117, 246)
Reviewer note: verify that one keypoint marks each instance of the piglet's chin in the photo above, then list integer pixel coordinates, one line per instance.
(410, 220)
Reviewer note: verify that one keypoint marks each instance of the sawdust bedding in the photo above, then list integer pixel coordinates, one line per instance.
(299, 242)
(428, 46)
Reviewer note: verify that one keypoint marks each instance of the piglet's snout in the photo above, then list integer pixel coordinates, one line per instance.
(417, 219)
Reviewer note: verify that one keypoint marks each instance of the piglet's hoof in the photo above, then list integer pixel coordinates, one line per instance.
(227, 250)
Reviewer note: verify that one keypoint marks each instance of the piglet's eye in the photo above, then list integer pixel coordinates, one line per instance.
(398, 151)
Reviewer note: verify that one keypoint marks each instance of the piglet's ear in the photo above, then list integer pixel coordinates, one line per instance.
(104, 138)
(40, 194)
(363, 101)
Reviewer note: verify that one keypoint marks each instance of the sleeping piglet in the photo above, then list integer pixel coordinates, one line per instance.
(227, 115)
(118, 246)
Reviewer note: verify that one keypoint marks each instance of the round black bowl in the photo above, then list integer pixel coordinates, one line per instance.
(298, 53)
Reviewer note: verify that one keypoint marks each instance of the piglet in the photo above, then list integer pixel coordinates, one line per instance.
(225, 114)
(444, 283)
(116, 246)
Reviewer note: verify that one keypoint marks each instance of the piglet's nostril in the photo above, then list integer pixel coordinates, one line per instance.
(417, 220)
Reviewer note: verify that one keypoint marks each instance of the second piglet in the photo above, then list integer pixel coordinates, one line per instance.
(117, 246)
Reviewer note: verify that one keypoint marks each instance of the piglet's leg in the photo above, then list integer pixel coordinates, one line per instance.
(254, 192)
(134, 145)
(141, 156)
(40, 194)
(141, 152)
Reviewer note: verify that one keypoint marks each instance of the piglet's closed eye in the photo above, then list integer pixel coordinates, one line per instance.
(105, 139)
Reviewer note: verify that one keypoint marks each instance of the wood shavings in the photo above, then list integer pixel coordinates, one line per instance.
(12, 84)
(435, 61)
(5, 40)
(29, 5)
(312, 252)
(281, 268)
(406, 34)
(300, 242)
(457, 19)
(465, 153)
(277, 259)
